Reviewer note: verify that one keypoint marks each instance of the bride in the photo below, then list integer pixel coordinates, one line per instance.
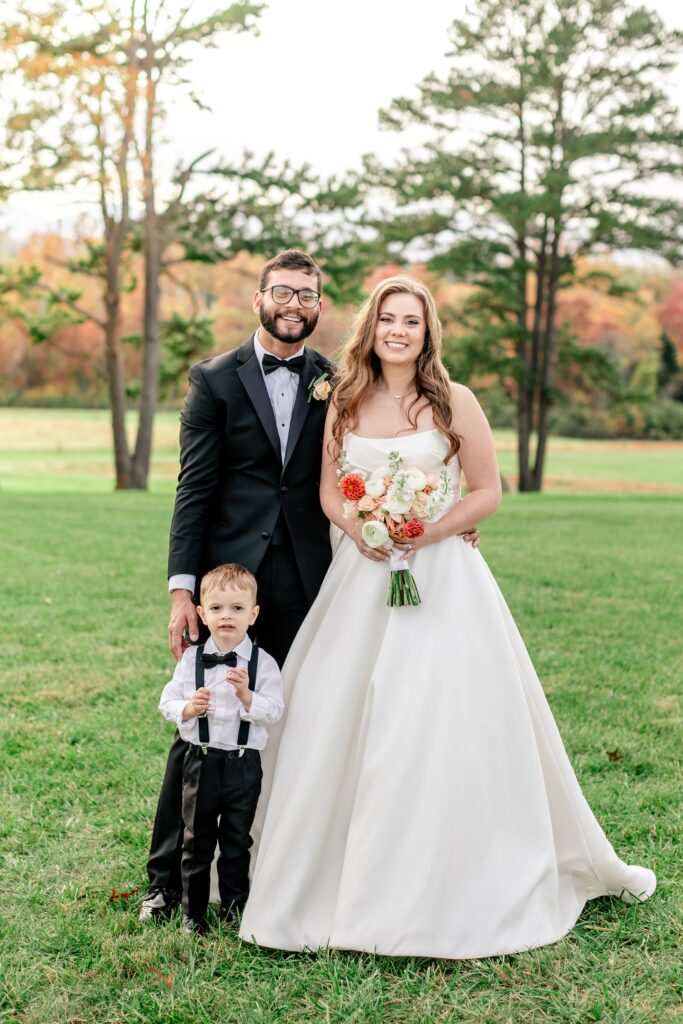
(421, 802)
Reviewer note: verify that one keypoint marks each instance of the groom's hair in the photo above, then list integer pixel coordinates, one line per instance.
(230, 574)
(291, 259)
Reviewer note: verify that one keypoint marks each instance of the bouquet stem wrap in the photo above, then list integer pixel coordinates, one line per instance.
(402, 587)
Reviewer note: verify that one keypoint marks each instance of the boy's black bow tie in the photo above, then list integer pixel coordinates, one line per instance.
(271, 363)
(209, 660)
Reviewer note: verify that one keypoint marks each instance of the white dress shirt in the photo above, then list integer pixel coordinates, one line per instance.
(281, 385)
(226, 711)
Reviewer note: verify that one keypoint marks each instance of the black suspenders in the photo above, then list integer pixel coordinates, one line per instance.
(252, 668)
(198, 683)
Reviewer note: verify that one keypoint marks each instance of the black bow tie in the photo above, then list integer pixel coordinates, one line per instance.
(294, 365)
(209, 660)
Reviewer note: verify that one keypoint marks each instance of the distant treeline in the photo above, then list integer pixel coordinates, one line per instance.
(632, 316)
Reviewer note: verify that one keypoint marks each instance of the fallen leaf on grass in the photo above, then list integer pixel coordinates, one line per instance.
(615, 755)
(164, 979)
(116, 895)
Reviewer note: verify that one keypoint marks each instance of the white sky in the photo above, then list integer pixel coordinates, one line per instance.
(330, 65)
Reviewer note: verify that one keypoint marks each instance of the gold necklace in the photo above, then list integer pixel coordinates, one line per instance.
(399, 397)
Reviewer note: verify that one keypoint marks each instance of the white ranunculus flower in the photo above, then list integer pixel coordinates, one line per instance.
(398, 501)
(415, 478)
(375, 486)
(376, 535)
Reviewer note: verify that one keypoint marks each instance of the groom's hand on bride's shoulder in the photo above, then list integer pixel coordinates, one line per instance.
(471, 537)
(183, 616)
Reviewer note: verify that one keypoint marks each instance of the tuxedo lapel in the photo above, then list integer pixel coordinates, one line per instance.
(301, 405)
(250, 373)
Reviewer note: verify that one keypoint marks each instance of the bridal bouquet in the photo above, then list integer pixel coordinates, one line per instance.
(393, 502)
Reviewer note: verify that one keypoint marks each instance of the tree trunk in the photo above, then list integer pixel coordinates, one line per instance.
(544, 392)
(152, 256)
(151, 354)
(546, 383)
(114, 363)
(116, 226)
(524, 393)
(523, 440)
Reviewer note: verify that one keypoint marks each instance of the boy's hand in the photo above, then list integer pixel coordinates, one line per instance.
(199, 704)
(239, 680)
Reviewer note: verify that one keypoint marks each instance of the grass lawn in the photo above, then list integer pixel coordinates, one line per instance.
(595, 585)
(69, 450)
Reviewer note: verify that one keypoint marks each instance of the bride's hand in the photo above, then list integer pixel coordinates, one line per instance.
(374, 554)
(430, 536)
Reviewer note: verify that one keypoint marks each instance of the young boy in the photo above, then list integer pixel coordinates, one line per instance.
(221, 697)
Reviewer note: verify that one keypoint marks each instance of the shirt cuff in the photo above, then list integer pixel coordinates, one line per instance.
(258, 710)
(182, 581)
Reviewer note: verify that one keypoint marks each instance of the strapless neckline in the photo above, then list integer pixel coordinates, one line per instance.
(399, 437)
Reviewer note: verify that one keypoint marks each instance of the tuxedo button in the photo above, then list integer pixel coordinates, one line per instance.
(265, 535)
(283, 490)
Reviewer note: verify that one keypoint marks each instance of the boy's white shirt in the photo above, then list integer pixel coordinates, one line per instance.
(227, 711)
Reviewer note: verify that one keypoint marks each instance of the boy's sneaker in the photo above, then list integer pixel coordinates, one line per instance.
(232, 914)
(158, 905)
(194, 925)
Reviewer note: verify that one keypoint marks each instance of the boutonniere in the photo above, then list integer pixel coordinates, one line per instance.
(319, 388)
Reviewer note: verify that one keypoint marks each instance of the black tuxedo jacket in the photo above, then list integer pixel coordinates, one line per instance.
(233, 486)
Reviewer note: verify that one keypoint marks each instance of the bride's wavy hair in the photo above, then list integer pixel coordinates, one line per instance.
(360, 367)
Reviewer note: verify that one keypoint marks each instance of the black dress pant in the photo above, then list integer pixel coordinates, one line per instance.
(283, 607)
(220, 792)
(283, 604)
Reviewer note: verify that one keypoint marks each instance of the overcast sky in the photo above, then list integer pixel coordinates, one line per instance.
(309, 87)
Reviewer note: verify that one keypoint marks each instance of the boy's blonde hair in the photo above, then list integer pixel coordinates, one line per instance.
(230, 574)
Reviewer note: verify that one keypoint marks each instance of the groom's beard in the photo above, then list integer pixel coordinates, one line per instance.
(289, 333)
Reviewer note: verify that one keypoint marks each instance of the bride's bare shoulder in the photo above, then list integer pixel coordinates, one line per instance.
(461, 391)
(462, 396)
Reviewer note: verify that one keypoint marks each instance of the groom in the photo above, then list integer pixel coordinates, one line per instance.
(251, 432)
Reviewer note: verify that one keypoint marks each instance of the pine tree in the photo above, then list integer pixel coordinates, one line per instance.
(551, 136)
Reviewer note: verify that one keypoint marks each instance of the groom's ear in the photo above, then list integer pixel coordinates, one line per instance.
(256, 301)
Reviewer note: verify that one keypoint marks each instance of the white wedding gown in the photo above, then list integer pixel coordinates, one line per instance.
(421, 802)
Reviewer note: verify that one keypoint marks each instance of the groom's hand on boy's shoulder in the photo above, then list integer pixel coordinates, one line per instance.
(471, 537)
(183, 616)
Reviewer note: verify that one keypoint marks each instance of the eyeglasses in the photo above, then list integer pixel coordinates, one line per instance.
(282, 294)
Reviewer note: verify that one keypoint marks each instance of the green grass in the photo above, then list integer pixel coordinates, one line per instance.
(577, 465)
(594, 583)
(69, 450)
